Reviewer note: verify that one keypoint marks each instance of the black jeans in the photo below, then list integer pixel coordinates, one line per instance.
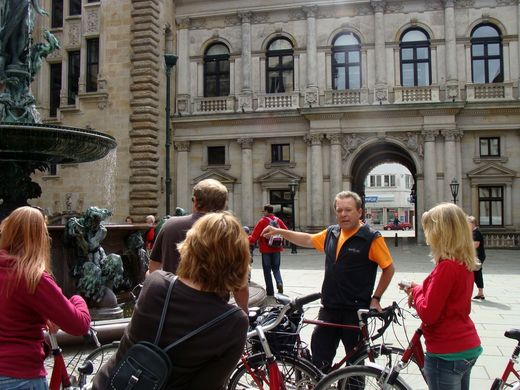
(325, 339)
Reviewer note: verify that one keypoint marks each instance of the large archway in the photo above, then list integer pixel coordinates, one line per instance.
(374, 154)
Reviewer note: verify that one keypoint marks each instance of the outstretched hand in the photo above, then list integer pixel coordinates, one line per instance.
(268, 231)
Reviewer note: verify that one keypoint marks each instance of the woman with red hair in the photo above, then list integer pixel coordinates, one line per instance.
(30, 300)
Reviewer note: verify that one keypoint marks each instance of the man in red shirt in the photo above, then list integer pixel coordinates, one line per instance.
(269, 249)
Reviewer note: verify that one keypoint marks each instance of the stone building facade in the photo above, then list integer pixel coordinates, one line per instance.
(313, 94)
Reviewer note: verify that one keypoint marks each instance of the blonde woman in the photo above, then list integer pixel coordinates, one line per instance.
(214, 261)
(443, 301)
(30, 300)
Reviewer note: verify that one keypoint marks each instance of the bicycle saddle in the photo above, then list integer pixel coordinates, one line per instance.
(513, 334)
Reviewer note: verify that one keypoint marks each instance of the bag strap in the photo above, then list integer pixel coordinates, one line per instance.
(207, 325)
(164, 310)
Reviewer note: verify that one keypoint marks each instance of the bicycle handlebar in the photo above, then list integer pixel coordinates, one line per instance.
(387, 315)
(295, 304)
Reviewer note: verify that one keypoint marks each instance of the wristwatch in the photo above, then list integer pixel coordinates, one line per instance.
(376, 297)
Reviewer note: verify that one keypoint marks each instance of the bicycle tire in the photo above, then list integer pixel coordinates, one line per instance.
(296, 373)
(98, 357)
(386, 355)
(356, 378)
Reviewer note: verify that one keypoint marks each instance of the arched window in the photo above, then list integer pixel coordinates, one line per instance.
(216, 70)
(279, 66)
(346, 62)
(487, 65)
(415, 58)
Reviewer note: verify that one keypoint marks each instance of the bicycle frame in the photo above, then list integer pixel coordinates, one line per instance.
(510, 366)
(59, 377)
(363, 342)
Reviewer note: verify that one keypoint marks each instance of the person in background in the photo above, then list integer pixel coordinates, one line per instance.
(214, 262)
(129, 220)
(30, 300)
(353, 252)
(149, 237)
(478, 242)
(208, 195)
(443, 300)
(270, 254)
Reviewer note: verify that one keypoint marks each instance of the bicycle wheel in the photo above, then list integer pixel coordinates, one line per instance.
(296, 373)
(98, 357)
(357, 377)
(387, 356)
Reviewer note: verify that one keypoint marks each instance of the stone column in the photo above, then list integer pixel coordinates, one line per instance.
(450, 162)
(336, 173)
(183, 65)
(508, 204)
(430, 174)
(183, 182)
(381, 93)
(518, 40)
(247, 181)
(245, 100)
(452, 88)
(316, 180)
(311, 91)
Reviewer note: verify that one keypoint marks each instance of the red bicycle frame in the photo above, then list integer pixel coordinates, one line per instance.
(59, 376)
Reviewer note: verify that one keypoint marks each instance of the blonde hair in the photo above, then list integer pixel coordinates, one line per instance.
(24, 237)
(215, 253)
(448, 235)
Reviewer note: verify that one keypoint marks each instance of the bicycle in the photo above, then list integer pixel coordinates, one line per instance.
(264, 370)
(377, 377)
(78, 373)
(285, 344)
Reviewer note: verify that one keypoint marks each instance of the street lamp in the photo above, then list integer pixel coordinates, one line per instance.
(293, 185)
(169, 60)
(454, 187)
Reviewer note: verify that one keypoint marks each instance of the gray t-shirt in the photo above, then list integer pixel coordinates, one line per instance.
(173, 232)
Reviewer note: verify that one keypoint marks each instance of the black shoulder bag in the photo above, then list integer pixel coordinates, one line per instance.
(146, 366)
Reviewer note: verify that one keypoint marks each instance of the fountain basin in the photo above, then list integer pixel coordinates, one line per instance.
(52, 144)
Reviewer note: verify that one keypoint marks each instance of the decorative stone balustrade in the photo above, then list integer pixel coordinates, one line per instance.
(278, 101)
(426, 94)
(346, 97)
(212, 105)
(502, 240)
(495, 91)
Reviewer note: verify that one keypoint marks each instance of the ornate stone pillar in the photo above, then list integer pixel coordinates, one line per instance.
(311, 97)
(452, 88)
(247, 181)
(245, 100)
(183, 183)
(316, 180)
(450, 161)
(336, 173)
(430, 165)
(183, 65)
(381, 92)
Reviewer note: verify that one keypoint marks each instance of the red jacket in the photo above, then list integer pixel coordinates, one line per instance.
(260, 226)
(23, 317)
(443, 303)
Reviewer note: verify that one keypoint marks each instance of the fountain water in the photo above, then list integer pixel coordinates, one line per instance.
(25, 144)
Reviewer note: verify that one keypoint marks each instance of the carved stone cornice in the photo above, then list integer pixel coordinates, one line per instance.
(245, 16)
(378, 5)
(183, 22)
(452, 135)
(315, 139)
(429, 135)
(182, 146)
(310, 10)
(448, 3)
(335, 139)
(245, 143)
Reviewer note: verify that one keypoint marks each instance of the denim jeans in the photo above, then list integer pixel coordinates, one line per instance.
(271, 263)
(7, 383)
(447, 375)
